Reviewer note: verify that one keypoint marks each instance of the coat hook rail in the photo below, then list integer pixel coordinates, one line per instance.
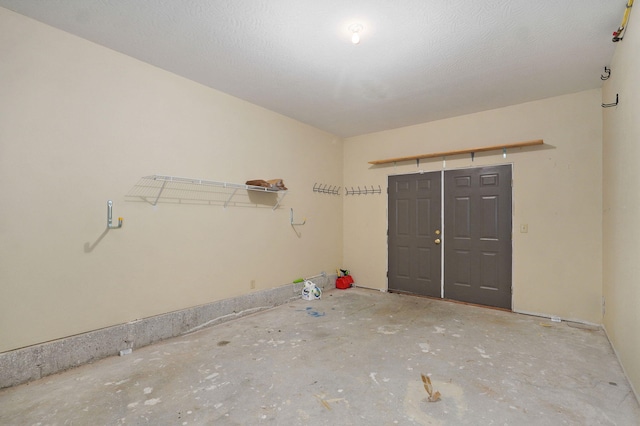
(363, 191)
(110, 224)
(612, 104)
(326, 189)
(446, 154)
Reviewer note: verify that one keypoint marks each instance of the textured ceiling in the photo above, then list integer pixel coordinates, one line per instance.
(418, 61)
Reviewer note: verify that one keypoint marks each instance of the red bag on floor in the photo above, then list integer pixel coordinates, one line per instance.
(344, 282)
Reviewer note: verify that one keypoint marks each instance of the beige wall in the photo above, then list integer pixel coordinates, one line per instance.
(621, 225)
(556, 191)
(81, 124)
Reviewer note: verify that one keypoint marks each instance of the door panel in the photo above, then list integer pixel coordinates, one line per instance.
(414, 217)
(478, 235)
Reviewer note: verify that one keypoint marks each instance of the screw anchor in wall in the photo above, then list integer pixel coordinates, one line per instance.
(110, 224)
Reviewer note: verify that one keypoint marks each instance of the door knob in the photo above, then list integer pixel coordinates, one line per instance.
(437, 232)
(437, 241)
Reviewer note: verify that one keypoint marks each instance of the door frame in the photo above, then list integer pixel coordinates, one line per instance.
(442, 195)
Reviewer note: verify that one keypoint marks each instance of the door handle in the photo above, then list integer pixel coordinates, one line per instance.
(437, 241)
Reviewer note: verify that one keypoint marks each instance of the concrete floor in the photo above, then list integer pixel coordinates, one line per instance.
(352, 358)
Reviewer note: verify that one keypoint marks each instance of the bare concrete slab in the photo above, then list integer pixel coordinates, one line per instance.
(352, 358)
(38, 361)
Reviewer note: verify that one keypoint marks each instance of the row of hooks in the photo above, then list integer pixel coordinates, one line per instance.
(326, 189)
(335, 190)
(365, 191)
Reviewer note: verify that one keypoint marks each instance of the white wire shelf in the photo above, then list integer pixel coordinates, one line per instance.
(173, 189)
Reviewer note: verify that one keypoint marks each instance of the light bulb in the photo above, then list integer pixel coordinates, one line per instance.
(355, 30)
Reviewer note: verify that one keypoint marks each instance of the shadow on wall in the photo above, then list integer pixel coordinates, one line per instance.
(88, 247)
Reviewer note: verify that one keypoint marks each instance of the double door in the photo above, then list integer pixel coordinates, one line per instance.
(450, 235)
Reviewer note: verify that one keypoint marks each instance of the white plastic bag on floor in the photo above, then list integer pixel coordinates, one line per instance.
(311, 291)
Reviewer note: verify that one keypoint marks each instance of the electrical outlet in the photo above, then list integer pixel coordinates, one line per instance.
(253, 284)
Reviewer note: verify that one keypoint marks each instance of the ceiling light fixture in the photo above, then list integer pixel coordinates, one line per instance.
(355, 33)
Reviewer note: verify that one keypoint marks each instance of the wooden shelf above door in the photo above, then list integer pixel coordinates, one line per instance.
(458, 152)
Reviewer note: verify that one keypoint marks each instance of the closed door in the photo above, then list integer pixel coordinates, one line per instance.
(476, 237)
(414, 234)
(477, 258)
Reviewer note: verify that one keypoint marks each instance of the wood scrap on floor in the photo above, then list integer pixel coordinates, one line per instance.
(433, 396)
(323, 401)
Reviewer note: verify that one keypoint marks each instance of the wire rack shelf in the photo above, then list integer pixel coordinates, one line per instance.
(172, 189)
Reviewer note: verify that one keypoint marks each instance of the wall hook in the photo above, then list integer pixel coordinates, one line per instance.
(611, 105)
(110, 224)
(607, 71)
(326, 189)
(363, 191)
(297, 224)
